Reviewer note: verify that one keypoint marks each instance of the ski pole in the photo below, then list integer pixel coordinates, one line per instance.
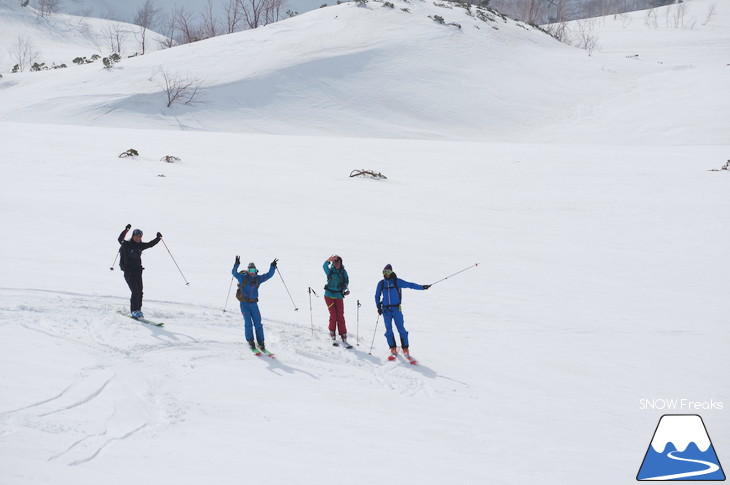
(442, 279)
(311, 320)
(115, 261)
(357, 335)
(173, 260)
(296, 309)
(229, 294)
(370, 352)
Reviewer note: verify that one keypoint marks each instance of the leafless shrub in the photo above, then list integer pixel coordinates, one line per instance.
(368, 173)
(257, 13)
(169, 159)
(22, 53)
(711, 14)
(211, 26)
(586, 38)
(180, 89)
(678, 13)
(115, 35)
(651, 18)
(145, 18)
(48, 7)
(625, 20)
(129, 153)
(233, 16)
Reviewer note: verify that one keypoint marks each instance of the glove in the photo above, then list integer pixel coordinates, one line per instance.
(159, 236)
(380, 310)
(273, 263)
(129, 226)
(346, 292)
(238, 259)
(425, 287)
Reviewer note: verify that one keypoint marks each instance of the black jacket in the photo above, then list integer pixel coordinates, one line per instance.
(130, 253)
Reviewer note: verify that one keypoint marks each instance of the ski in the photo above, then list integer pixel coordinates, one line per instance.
(268, 354)
(255, 351)
(347, 345)
(335, 343)
(407, 357)
(143, 320)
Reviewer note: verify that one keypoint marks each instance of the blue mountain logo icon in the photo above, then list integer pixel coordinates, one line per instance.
(681, 450)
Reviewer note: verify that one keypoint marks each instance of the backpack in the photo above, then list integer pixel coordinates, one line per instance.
(121, 258)
(397, 289)
(239, 295)
(339, 278)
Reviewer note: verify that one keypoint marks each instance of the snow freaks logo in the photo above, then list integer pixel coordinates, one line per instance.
(681, 450)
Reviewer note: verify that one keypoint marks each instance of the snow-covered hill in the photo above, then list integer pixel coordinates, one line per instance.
(59, 38)
(602, 279)
(395, 72)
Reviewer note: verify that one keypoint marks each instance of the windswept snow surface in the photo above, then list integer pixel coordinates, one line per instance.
(384, 72)
(602, 277)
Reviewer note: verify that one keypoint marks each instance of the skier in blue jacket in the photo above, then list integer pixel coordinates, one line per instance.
(388, 301)
(248, 283)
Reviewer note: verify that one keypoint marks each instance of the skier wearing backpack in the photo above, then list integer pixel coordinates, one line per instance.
(248, 295)
(130, 262)
(334, 293)
(388, 300)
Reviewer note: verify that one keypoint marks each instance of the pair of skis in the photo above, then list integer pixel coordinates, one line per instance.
(406, 356)
(143, 320)
(345, 343)
(260, 352)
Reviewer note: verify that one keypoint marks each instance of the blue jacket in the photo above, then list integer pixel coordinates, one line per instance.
(250, 284)
(388, 292)
(337, 280)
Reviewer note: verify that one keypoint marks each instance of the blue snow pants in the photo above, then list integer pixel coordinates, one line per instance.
(252, 320)
(390, 315)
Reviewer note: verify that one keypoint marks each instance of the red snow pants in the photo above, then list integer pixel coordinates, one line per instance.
(336, 307)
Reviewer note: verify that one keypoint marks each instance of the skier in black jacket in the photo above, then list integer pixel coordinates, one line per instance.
(130, 261)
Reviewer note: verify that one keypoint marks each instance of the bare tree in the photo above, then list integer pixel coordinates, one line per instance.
(146, 19)
(115, 35)
(180, 89)
(679, 13)
(262, 12)
(169, 31)
(586, 38)
(47, 7)
(711, 13)
(210, 27)
(232, 16)
(22, 53)
(185, 26)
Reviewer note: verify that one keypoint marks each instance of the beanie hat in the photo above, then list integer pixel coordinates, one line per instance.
(388, 266)
(251, 265)
(137, 232)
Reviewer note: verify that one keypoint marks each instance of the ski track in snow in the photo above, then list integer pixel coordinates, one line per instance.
(136, 367)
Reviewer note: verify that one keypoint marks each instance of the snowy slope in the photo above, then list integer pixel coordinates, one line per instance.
(376, 71)
(601, 283)
(602, 277)
(59, 39)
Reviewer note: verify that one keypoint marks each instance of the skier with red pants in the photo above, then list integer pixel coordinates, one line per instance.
(334, 294)
(388, 300)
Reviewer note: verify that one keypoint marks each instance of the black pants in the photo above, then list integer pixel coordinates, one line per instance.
(134, 281)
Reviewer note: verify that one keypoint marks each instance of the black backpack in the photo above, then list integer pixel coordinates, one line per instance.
(239, 295)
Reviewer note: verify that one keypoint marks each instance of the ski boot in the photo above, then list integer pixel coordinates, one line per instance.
(393, 353)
